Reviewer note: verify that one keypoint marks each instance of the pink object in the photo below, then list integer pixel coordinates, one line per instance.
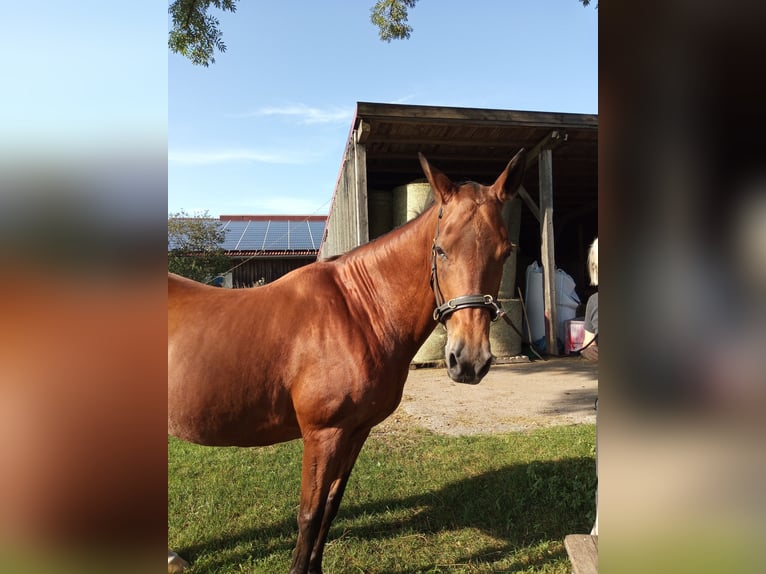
(574, 334)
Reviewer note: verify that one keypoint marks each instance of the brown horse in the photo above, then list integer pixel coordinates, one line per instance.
(323, 352)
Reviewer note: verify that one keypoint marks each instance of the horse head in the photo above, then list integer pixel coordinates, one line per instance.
(470, 246)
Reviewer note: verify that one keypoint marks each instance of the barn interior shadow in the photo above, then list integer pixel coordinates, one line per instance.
(518, 505)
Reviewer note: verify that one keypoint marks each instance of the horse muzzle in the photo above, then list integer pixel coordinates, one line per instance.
(464, 366)
(467, 352)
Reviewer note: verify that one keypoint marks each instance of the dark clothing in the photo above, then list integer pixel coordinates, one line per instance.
(591, 314)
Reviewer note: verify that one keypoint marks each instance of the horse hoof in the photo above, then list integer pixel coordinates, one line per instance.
(176, 563)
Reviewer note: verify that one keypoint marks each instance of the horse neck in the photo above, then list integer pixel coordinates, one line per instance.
(391, 277)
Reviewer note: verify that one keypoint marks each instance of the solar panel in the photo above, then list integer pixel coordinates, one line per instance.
(268, 235)
(233, 231)
(300, 236)
(317, 232)
(253, 236)
(277, 238)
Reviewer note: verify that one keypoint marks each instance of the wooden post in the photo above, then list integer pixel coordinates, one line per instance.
(547, 251)
(347, 213)
(360, 185)
(551, 141)
(583, 553)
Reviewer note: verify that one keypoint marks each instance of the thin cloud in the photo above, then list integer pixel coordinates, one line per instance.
(208, 157)
(303, 114)
(405, 99)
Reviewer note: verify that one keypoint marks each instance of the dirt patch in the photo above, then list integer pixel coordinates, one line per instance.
(513, 397)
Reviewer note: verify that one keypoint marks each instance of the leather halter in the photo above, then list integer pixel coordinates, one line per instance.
(445, 309)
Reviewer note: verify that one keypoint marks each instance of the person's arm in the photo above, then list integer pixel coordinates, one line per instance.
(590, 350)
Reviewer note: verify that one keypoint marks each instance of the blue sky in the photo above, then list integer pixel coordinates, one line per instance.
(262, 131)
(83, 75)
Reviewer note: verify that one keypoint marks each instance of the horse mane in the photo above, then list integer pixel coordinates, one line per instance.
(388, 235)
(430, 202)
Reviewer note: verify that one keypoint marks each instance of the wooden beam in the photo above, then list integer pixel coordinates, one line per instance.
(474, 116)
(547, 250)
(362, 132)
(360, 187)
(530, 202)
(550, 141)
(447, 138)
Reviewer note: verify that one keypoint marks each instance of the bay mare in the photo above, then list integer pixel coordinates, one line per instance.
(323, 352)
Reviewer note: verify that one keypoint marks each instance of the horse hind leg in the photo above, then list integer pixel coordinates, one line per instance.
(325, 466)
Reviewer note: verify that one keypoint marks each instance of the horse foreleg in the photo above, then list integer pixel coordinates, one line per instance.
(321, 460)
(334, 499)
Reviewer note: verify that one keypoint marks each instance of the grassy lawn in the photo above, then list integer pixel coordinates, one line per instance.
(416, 503)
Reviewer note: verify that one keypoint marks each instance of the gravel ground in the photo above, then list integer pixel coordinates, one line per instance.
(512, 397)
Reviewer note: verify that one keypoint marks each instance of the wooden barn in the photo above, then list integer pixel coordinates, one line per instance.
(380, 184)
(265, 247)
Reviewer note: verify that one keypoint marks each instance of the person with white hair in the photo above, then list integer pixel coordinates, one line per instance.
(590, 341)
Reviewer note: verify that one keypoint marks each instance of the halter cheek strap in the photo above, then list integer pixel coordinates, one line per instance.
(444, 310)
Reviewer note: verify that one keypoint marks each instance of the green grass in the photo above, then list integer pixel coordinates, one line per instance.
(416, 503)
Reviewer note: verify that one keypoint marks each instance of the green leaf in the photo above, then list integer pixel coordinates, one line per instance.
(390, 16)
(194, 33)
(194, 246)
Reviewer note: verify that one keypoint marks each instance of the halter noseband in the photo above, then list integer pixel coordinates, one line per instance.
(444, 310)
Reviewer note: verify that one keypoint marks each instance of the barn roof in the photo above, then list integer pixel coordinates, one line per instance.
(470, 144)
(476, 144)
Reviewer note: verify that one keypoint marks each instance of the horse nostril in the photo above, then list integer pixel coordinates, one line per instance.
(485, 368)
(452, 361)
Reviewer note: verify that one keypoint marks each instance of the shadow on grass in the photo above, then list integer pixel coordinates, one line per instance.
(520, 505)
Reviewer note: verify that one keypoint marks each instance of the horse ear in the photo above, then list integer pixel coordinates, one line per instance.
(509, 181)
(441, 185)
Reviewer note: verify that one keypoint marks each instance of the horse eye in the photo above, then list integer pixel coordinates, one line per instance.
(440, 252)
